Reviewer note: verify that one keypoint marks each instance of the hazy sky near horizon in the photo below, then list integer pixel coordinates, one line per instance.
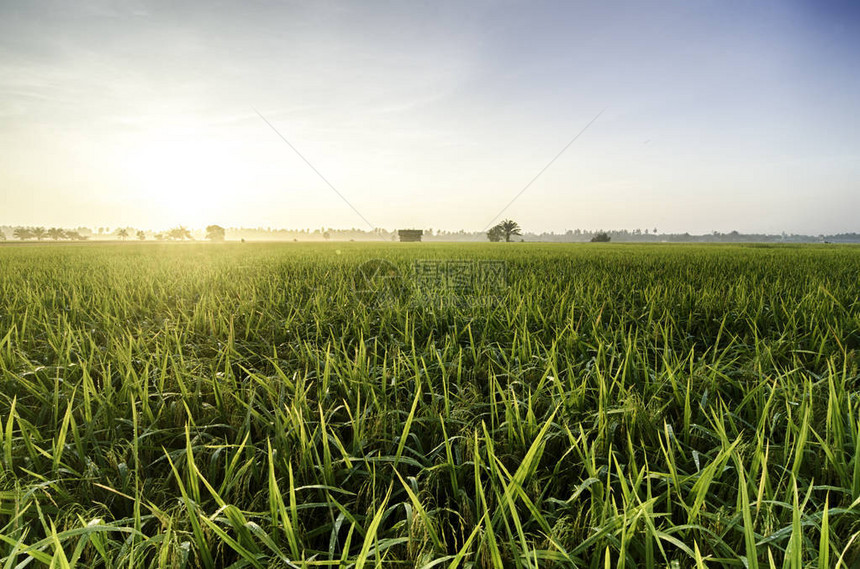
(719, 115)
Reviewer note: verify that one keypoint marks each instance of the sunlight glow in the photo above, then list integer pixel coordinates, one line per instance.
(188, 177)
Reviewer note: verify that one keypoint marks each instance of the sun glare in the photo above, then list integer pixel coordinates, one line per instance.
(189, 178)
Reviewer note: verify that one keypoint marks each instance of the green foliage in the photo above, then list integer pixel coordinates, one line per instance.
(495, 234)
(194, 406)
(56, 233)
(601, 237)
(23, 233)
(504, 230)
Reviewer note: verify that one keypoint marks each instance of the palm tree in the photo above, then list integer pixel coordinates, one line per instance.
(2, 236)
(56, 233)
(22, 233)
(509, 227)
(141, 235)
(122, 234)
(39, 233)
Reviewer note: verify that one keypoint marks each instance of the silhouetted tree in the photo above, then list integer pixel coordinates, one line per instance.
(22, 233)
(39, 232)
(122, 234)
(2, 236)
(495, 234)
(56, 233)
(601, 237)
(141, 235)
(214, 233)
(74, 236)
(508, 228)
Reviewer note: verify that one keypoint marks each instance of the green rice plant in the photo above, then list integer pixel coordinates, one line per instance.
(179, 405)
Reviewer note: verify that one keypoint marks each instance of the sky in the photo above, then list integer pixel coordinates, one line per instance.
(711, 115)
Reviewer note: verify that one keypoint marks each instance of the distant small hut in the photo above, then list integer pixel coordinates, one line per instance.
(410, 235)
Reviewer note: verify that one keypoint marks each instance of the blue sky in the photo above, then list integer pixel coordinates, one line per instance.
(718, 115)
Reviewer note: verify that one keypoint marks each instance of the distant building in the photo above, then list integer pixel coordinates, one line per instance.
(410, 235)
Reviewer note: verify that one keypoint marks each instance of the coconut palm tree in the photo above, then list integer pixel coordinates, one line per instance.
(56, 233)
(122, 234)
(508, 228)
(39, 233)
(22, 233)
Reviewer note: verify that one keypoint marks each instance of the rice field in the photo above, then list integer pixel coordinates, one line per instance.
(281, 405)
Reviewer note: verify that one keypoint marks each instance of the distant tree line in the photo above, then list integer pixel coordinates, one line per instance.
(309, 234)
(40, 233)
(219, 233)
(180, 233)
